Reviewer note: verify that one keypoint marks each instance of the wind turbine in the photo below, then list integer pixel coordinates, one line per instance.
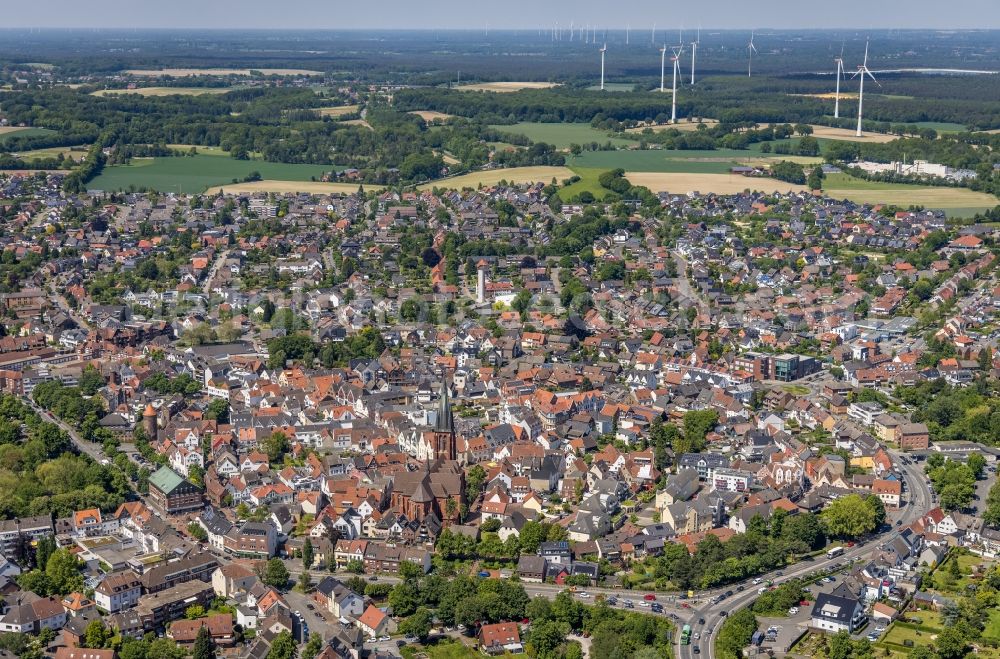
(628, 28)
(663, 67)
(653, 40)
(751, 49)
(694, 52)
(863, 71)
(604, 49)
(677, 69)
(840, 73)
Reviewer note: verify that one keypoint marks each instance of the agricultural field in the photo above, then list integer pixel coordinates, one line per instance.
(683, 125)
(716, 161)
(337, 111)
(202, 150)
(359, 122)
(8, 131)
(165, 91)
(40, 154)
(431, 115)
(503, 87)
(614, 87)
(188, 73)
(288, 187)
(848, 135)
(196, 173)
(683, 183)
(493, 176)
(956, 201)
(588, 183)
(562, 135)
(942, 126)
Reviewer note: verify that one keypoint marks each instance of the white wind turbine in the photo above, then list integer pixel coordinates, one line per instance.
(694, 52)
(663, 67)
(863, 71)
(677, 69)
(604, 49)
(751, 49)
(840, 74)
(653, 40)
(628, 28)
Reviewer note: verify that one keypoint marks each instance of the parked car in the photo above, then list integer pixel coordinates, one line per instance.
(649, 597)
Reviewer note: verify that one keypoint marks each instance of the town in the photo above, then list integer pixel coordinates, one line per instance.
(343, 425)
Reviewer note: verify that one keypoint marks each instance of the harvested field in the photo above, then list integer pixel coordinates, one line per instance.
(337, 111)
(682, 183)
(431, 115)
(494, 176)
(187, 73)
(288, 187)
(847, 135)
(505, 86)
(929, 197)
(682, 126)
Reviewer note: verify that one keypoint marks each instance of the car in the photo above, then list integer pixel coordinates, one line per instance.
(701, 621)
(685, 605)
(792, 611)
(873, 637)
(657, 608)
(831, 579)
(612, 601)
(850, 543)
(695, 650)
(780, 573)
(410, 639)
(650, 597)
(583, 594)
(723, 614)
(460, 628)
(899, 522)
(644, 604)
(628, 604)
(310, 607)
(696, 635)
(761, 590)
(757, 581)
(373, 578)
(384, 639)
(400, 643)
(729, 593)
(373, 639)
(740, 589)
(298, 614)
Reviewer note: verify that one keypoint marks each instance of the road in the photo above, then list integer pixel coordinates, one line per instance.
(919, 500)
(206, 289)
(684, 285)
(93, 450)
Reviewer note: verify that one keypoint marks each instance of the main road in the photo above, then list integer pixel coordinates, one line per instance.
(918, 502)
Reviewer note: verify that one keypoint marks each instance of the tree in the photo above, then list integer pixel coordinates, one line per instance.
(404, 598)
(90, 381)
(418, 624)
(204, 648)
(307, 553)
(194, 612)
(849, 517)
(697, 423)
(305, 581)
(218, 410)
(275, 574)
(63, 572)
(791, 172)
(976, 464)
(410, 571)
(95, 636)
(282, 647)
(276, 446)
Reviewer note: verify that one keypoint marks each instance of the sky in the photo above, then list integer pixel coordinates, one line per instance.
(500, 14)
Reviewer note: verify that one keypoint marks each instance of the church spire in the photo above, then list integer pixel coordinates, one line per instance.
(445, 421)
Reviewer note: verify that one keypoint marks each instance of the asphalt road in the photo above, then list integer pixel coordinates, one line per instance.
(919, 500)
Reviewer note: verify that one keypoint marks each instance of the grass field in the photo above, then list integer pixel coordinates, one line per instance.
(289, 187)
(187, 73)
(358, 122)
(494, 176)
(9, 131)
(52, 152)
(505, 86)
(196, 173)
(717, 161)
(562, 135)
(165, 91)
(202, 150)
(683, 183)
(431, 115)
(588, 182)
(614, 87)
(959, 201)
(942, 126)
(337, 111)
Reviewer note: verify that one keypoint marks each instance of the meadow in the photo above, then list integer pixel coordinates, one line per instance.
(337, 111)
(289, 187)
(563, 134)
(503, 87)
(197, 173)
(20, 131)
(431, 115)
(683, 183)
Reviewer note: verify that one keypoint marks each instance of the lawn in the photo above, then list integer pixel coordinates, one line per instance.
(564, 134)
(443, 649)
(196, 173)
(588, 182)
(10, 131)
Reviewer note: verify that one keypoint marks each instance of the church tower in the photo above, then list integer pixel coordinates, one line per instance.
(444, 428)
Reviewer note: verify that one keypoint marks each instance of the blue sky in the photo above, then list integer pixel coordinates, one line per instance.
(445, 14)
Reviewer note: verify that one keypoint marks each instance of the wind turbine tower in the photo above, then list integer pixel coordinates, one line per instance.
(840, 74)
(751, 49)
(663, 67)
(677, 70)
(604, 49)
(694, 53)
(862, 72)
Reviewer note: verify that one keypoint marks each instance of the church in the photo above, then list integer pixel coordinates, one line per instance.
(437, 488)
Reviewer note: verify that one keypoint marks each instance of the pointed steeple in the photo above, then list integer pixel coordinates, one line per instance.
(445, 421)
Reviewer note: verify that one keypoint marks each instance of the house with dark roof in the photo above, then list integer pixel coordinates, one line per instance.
(833, 613)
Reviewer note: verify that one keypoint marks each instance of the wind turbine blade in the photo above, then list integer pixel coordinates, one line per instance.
(873, 78)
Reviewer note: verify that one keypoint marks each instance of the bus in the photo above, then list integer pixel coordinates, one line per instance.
(834, 552)
(686, 635)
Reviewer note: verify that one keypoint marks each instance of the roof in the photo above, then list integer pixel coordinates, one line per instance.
(166, 479)
(372, 618)
(83, 653)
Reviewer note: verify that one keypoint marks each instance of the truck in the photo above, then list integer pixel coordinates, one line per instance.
(834, 552)
(686, 635)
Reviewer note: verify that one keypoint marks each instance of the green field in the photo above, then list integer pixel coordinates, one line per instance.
(6, 132)
(562, 135)
(197, 173)
(942, 126)
(614, 87)
(588, 182)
